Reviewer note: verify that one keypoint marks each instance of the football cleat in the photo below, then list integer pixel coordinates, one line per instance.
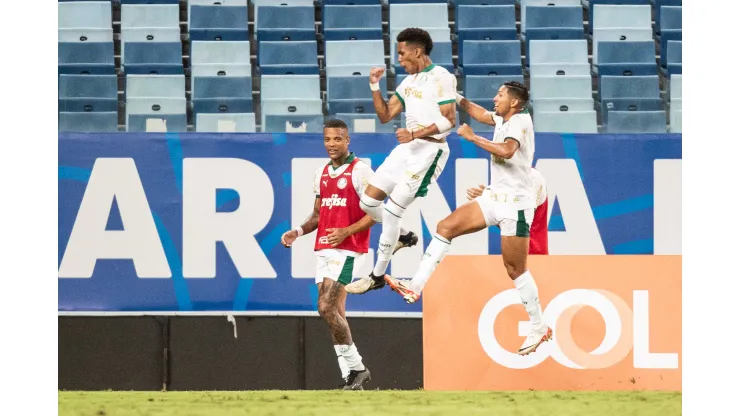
(402, 288)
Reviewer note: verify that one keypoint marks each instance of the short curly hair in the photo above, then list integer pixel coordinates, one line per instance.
(518, 91)
(416, 36)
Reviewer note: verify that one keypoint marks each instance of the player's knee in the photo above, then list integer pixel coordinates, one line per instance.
(446, 229)
(392, 212)
(514, 269)
(326, 308)
(372, 207)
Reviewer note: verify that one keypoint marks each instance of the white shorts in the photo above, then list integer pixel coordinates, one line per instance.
(510, 218)
(338, 265)
(410, 168)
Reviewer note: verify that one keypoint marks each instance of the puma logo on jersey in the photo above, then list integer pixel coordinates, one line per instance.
(333, 201)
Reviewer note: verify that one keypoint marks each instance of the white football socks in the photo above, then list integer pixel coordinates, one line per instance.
(343, 367)
(351, 356)
(436, 251)
(527, 288)
(392, 214)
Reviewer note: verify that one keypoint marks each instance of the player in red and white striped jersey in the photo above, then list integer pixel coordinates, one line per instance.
(342, 241)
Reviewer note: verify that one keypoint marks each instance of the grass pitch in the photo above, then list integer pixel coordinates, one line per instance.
(368, 403)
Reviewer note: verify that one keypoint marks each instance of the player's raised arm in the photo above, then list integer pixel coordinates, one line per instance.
(386, 111)
(478, 113)
(503, 150)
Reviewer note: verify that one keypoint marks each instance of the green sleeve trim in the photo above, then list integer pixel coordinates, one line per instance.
(446, 102)
(403, 103)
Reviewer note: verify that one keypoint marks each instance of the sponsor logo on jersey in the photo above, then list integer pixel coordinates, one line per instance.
(333, 201)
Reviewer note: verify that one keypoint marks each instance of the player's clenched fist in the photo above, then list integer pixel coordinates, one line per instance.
(376, 74)
(404, 135)
(475, 192)
(465, 131)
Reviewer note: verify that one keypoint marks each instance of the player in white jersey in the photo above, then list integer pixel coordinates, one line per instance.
(508, 202)
(427, 96)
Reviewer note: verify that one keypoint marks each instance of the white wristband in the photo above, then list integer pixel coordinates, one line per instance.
(374, 86)
(443, 125)
(299, 230)
(458, 98)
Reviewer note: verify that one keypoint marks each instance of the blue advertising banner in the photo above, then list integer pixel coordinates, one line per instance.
(192, 222)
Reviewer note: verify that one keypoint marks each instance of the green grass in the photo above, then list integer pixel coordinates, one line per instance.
(368, 403)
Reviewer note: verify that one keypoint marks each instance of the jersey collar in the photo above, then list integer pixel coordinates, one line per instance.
(349, 160)
(429, 68)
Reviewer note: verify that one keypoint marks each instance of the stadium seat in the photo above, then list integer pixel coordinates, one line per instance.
(559, 57)
(670, 29)
(544, 87)
(88, 93)
(485, 87)
(415, 1)
(171, 86)
(526, 4)
(675, 96)
(285, 23)
(293, 123)
(627, 58)
(152, 58)
(563, 104)
(84, 15)
(636, 122)
(85, 58)
(606, 16)
(216, 94)
(629, 87)
(673, 57)
(88, 122)
(659, 4)
(211, 58)
(367, 123)
(150, 15)
(676, 88)
(353, 57)
(352, 22)
(490, 57)
(218, 22)
(430, 15)
(594, 3)
(351, 94)
(485, 23)
(483, 2)
(350, 2)
(566, 122)
(621, 35)
(441, 55)
(290, 95)
(547, 22)
(170, 109)
(85, 35)
(292, 57)
(150, 1)
(225, 123)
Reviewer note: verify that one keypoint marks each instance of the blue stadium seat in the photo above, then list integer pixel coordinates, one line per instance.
(350, 2)
(367, 123)
(483, 2)
(85, 14)
(222, 95)
(85, 35)
(545, 87)
(150, 1)
(593, 3)
(559, 57)
(351, 94)
(286, 23)
(485, 87)
(640, 122)
(353, 57)
(563, 104)
(438, 35)
(658, 4)
(618, 35)
(150, 34)
(293, 57)
(211, 58)
(152, 58)
(627, 58)
(150, 15)
(88, 93)
(225, 123)
(583, 122)
(614, 87)
(85, 58)
(491, 57)
(674, 57)
(416, 1)
(88, 122)
(352, 22)
(218, 22)
(670, 29)
(172, 86)
(441, 55)
(485, 23)
(545, 22)
(293, 123)
(290, 95)
(171, 109)
(526, 4)
(430, 15)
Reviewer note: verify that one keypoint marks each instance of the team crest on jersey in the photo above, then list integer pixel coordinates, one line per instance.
(342, 183)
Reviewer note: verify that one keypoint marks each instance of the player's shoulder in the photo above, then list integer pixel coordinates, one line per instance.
(440, 71)
(362, 166)
(320, 170)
